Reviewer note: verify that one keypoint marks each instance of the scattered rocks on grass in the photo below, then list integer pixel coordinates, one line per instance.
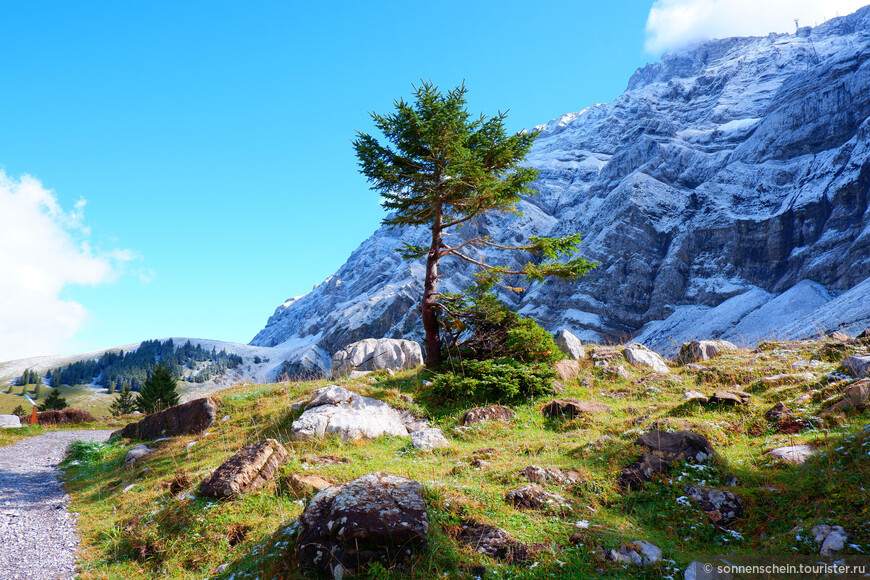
(567, 369)
(533, 496)
(136, 454)
(490, 413)
(246, 471)
(570, 345)
(796, 454)
(721, 506)
(10, 421)
(431, 438)
(494, 542)
(378, 517)
(698, 350)
(855, 397)
(572, 408)
(336, 410)
(373, 354)
(537, 474)
(188, 418)
(63, 417)
(640, 356)
(831, 538)
(639, 553)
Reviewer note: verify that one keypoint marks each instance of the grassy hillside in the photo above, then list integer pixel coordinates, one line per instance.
(143, 523)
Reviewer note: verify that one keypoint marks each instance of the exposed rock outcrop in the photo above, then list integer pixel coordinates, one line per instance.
(570, 345)
(700, 350)
(188, 418)
(373, 354)
(246, 471)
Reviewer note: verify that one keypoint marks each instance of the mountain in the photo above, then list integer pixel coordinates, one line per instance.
(724, 193)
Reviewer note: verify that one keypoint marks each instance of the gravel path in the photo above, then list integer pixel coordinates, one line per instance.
(37, 534)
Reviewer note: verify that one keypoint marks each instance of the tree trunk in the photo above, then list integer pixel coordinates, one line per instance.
(427, 306)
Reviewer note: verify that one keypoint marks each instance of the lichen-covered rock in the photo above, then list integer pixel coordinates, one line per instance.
(640, 356)
(570, 345)
(490, 413)
(430, 438)
(375, 518)
(859, 365)
(334, 409)
(246, 471)
(722, 506)
(698, 350)
(372, 354)
(188, 418)
(533, 496)
(855, 397)
(571, 408)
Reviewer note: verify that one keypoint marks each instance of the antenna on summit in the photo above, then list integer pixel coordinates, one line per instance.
(796, 26)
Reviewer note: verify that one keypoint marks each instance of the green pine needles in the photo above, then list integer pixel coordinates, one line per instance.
(440, 167)
(158, 392)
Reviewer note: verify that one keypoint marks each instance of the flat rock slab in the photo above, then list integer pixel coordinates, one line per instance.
(642, 470)
(796, 454)
(308, 484)
(188, 418)
(730, 397)
(10, 421)
(571, 408)
(567, 369)
(336, 410)
(39, 536)
(376, 518)
(858, 364)
(788, 379)
(136, 454)
(373, 354)
(490, 413)
(246, 471)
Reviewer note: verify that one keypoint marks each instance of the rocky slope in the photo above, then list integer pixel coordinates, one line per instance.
(725, 194)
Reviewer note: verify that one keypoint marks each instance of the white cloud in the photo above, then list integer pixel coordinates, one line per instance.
(43, 249)
(676, 23)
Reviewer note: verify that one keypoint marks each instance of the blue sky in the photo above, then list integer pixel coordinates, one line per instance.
(191, 164)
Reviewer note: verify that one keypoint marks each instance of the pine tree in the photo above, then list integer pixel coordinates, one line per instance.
(442, 168)
(19, 411)
(124, 403)
(53, 401)
(158, 391)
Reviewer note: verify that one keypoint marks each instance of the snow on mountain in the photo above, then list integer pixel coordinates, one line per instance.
(725, 194)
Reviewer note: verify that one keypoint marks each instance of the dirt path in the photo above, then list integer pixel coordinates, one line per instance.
(38, 539)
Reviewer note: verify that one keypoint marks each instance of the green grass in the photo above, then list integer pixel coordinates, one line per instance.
(154, 530)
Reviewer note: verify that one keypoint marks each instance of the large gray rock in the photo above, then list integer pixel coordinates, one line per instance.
(376, 518)
(859, 365)
(640, 356)
(188, 418)
(570, 345)
(334, 409)
(246, 471)
(699, 350)
(373, 354)
(721, 506)
(831, 538)
(639, 553)
(10, 421)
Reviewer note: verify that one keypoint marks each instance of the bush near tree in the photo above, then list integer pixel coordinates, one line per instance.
(158, 392)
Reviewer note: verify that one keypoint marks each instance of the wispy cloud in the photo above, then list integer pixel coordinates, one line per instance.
(677, 23)
(44, 249)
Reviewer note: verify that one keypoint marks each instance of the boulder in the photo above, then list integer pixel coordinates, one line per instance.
(537, 474)
(722, 507)
(796, 454)
(490, 413)
(376, 518)
(372, 354)
(64, 417)
(730, 397)
(777, 413)
(639, 553)
(247, 470)
(10, 421)
(570, 345)
(533, 496)
(688, 445)
(571, 408)
(136, 454)
(492, 541)
(859, 365)
(334, 409)
(642, 470)
(567, 369)
(186, 419)
(698, 350)
(640, 356)
(855, 397)
(429, 439)
(838, 336)
(787, 379)
(308, 484)
(831, 538)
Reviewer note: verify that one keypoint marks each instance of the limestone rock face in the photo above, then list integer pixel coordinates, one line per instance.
(570, 345)
(334, 409)
(246, 471)
(376, 518)
(699, 350)
(489, 413)
(640, 356)
(373, 354)
(186, 419)
(858, 364)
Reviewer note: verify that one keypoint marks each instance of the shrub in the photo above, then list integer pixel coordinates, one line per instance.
(493, 380)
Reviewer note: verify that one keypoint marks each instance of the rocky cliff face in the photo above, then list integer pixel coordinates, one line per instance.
(725, 194)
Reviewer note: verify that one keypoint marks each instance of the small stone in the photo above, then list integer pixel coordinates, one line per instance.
(639, 553)
(784, 379)
(832, 539)
(136, 454)
(721, 506)
(694, 396)
(533, 496)
(490, 413)
(777, 413)
(308, 484)
(796, 454)
(572, 408)
(429, 439)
